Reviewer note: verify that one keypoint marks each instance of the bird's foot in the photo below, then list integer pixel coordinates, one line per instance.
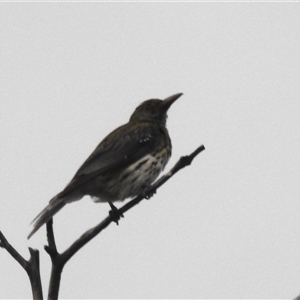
(147, 195)
(115, 213)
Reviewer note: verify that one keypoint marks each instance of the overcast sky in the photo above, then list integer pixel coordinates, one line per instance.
(226, 227)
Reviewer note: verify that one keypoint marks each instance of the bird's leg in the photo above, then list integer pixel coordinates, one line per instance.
(114, 213)
(145, 193)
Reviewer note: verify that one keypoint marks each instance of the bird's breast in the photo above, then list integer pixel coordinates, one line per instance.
(135, 178)
(142, 173)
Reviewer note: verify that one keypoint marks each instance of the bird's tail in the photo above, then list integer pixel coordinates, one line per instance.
(55, 204)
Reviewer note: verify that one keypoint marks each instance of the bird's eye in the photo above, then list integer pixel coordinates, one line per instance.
(149, 109)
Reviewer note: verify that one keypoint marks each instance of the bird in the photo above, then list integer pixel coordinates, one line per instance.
(123, 165)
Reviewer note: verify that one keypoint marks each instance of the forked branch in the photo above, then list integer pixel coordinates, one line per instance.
(32, 266)
(59, 260)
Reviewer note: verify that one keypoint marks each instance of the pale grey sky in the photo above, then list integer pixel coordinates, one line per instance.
(228, 226)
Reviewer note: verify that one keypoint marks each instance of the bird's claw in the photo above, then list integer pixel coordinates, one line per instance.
(146, 194)
(115, 214)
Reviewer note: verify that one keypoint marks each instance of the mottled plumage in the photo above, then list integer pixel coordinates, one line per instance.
(128, 160)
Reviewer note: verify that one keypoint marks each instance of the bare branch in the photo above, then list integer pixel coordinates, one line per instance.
(13, 252)
(55, 278)
(57, 263)
(34, 274)
(32, 266)
(91, 233)
(59, 260)
(51, 248)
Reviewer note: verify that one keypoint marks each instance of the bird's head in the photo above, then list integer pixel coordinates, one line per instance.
(154, 110)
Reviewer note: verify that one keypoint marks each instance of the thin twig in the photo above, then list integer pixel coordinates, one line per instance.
(51, 247)
(13, 252)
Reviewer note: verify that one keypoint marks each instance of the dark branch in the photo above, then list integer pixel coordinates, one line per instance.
(59, 260)
(57, 263)
(91, 233)
(51, 248)
(32, 266)
(34, 274)
(13, 252)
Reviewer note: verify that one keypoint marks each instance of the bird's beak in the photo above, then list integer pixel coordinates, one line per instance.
(170, 100)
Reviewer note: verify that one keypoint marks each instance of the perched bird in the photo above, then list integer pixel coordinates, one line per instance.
(124, 164)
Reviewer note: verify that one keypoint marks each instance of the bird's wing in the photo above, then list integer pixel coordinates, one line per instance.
(119, 149)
